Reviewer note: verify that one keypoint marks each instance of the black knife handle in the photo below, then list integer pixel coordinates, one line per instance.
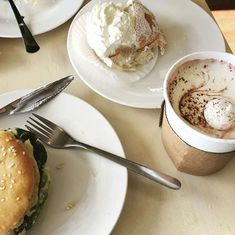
(31, 45)
(29, 41)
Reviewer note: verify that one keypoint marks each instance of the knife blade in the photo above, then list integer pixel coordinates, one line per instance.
(36, 98)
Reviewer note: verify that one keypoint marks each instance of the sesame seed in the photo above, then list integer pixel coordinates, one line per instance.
(11, 186)
(2, 181)
(13, 181)
(4, 175)
(14, 154)
(23, 153)
(69, 206)
(19, 172)
(7, 140)
(12, 149)
(18, 198)
(3, 199)
(11, 165)
(3, 148)
(2, 187)
(4, 154)
(9, 175)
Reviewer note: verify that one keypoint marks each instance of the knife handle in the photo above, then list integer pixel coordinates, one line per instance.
(31, 45)
(9, 107)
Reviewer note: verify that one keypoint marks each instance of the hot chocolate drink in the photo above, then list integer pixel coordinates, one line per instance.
(202, 93)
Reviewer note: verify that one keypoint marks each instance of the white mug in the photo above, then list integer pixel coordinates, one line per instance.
(188, 134)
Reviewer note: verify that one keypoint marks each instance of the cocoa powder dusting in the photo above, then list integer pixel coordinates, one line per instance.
(194, 96)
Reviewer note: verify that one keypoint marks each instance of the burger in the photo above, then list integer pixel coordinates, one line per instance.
(24, 180)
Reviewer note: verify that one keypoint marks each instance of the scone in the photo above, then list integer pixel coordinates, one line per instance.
(124, 36)
(23, 180)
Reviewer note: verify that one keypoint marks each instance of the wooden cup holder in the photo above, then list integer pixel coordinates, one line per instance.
(189, 159)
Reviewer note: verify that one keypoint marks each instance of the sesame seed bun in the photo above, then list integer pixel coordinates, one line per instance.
(18, 180)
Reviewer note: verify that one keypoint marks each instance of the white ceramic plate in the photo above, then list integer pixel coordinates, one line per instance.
(40, 15)
(188, 29)
(96, 186)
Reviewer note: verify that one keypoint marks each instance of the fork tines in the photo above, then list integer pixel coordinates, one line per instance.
(42, 128)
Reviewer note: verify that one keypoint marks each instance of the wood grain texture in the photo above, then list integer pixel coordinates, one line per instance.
(226, 22)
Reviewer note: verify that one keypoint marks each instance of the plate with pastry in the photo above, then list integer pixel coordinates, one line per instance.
(40, 15)
(123, 49)
(86, 192)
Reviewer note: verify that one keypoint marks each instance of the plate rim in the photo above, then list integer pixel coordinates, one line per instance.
(21, 92)
(47, 29)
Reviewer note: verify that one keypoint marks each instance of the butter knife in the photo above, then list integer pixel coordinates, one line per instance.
(36, 98)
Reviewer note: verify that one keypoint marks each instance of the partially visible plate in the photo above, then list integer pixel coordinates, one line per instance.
(40, 15)
(96, 186)
(188, 29)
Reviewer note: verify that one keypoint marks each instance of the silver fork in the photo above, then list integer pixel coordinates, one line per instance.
(54, 136)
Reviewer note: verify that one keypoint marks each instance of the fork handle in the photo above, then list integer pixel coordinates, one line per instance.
(158, 177)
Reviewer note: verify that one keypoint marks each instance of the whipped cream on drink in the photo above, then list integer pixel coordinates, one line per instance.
(220, 113)
(202, 93)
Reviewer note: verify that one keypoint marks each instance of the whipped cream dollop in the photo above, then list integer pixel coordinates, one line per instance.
(220, 113)
(109, 26)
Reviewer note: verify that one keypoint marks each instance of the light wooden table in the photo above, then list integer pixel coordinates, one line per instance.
(226, 22)
(204, 205)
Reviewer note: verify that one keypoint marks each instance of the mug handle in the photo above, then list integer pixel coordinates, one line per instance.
(161, 113)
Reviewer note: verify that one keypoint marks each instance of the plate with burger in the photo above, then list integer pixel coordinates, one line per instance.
(58, 192)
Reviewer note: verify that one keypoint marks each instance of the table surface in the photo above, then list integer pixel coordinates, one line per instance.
(203, 206)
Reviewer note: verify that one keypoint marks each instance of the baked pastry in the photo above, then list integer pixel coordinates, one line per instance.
(23, 180)
(124, 36)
